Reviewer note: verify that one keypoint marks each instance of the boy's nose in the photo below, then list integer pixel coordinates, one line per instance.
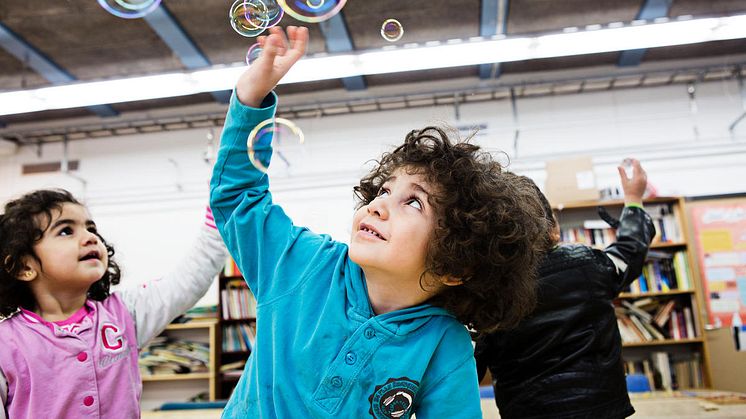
(378, 207)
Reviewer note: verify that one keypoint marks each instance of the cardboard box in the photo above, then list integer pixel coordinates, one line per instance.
(570, 180)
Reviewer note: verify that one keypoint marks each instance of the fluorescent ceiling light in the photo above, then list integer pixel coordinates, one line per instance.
(388, 60)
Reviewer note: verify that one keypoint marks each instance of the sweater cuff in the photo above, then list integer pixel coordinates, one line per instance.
(633, 205)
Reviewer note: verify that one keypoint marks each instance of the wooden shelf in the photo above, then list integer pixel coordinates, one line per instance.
(662, 342)
(201, 324)
(610, 203)
(627, 295)
(177, 377)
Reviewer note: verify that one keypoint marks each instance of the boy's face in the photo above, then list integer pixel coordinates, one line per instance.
(391, 234)
(72, 256)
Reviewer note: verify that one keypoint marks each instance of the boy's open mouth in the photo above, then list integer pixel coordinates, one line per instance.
(370, 229)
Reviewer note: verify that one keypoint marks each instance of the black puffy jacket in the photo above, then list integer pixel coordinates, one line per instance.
(564, 360)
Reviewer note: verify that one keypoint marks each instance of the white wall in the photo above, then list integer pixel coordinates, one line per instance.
(147, 192)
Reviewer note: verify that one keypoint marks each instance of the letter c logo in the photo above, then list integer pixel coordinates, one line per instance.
(111, 337)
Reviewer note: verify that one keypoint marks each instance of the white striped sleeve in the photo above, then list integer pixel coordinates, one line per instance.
(155, 304)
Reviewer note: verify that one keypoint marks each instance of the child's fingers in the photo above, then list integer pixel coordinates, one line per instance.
(279, 34)
(299, 39)
(637, 170)
(269, 50)
(261, 40)
(622, 173)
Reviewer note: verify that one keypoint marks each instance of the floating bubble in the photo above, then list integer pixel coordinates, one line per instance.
(274, 13)
(129, 9)
(248, 17)
(312, 11)
(391, 30)
(253, 53)
(279, 132)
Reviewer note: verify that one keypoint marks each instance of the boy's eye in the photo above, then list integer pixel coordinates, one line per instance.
(66, 231)
(414, 202)
(93, 230)
(382, 192)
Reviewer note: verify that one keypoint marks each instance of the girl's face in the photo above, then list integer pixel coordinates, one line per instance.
(391, 234)
(71, 255)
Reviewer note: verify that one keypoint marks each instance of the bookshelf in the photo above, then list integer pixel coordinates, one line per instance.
(660, 316)
(184, 353)
(237, 327)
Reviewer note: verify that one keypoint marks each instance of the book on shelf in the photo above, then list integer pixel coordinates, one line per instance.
(198, 313)
(666, 371)
(657, 321)
(239, 337)
(598, 233)
(233, 369)
(238, 301)
(663, 272)
(666, 218)
(166, 355)
(231, 268)
(593, 233)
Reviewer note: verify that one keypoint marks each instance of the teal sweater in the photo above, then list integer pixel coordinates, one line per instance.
(320, 350)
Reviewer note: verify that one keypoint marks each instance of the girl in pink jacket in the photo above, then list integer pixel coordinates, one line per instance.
(70, 346)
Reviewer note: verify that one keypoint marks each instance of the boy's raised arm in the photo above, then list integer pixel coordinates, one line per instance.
(256, 232)
(635, 230)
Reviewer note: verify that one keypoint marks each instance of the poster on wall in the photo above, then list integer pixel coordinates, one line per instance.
(719, 229)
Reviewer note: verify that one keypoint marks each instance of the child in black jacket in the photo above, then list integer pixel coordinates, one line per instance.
(564, 360)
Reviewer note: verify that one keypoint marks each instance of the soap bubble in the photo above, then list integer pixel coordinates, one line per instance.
(129, 9)
(312, 11)
(253, 53)
(279, 132)
(251, 17)
(248, 17)
(274, 13)
(391, 30)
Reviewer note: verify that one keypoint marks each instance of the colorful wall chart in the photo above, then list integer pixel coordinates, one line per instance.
(719, 228)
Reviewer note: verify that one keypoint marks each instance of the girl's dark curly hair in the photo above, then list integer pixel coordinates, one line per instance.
(22, 225)
(490, 231)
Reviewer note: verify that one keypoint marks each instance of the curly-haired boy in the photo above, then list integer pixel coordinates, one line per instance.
(441, 236)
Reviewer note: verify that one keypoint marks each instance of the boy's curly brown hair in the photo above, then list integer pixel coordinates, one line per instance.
(490, 230)
(22, 225)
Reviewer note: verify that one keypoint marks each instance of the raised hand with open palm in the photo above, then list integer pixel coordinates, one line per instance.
(279, 53)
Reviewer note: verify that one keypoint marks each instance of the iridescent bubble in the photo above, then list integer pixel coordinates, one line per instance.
(274, 13)
(253, 53)
(312, 11)
(391, 30)
(248, 17)
(279, 132)
(129, 9)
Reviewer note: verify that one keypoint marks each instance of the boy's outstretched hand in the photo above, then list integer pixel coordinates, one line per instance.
(634, 187)
(279, 54)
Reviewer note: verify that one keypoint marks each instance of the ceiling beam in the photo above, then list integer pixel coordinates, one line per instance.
(493, 21)
(163, 22)
(649, 10)
(43, 65)
(337, 39)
